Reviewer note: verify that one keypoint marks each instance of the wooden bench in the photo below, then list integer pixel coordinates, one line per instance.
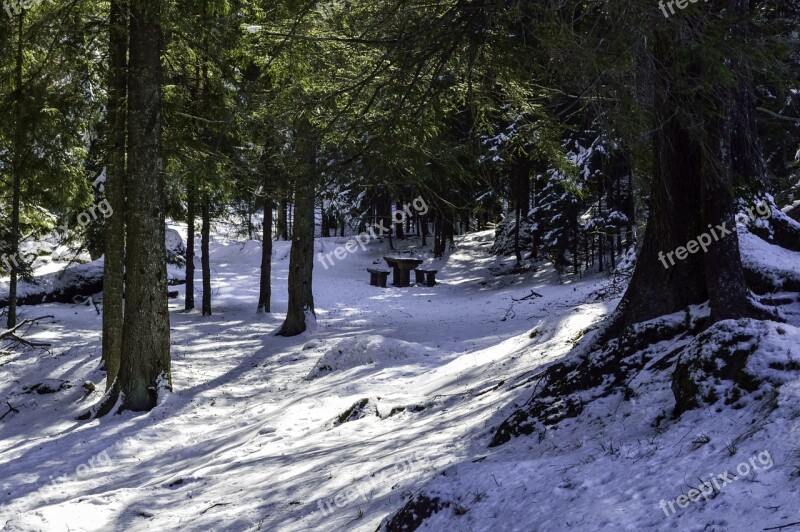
(426, 277)
(377, 277)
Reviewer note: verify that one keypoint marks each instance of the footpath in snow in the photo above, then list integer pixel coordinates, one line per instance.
(252, 437)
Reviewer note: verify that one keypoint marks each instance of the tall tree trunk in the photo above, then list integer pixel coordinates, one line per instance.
(692, 195)
(728, 294)
(206, 259)
(522, 181)
(282, 224)
(114, 263)
(517, 222)
(145, 362)
(325, 228)
(399, 232)
(385, 218)
(438, 234)
(265, 292)
(19, 146)
(301, 259)
(630, 212)
(601, 233)
(450, 229)
(410, 219)
(520, 196)
(250, 209)
(748, 165)
(190, 231)
(537, 215)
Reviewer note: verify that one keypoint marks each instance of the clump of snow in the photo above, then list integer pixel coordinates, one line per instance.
(732, 361)
(49, 284)
(176, 249)
(778, 265)
(627, 263)
(778, 355)
(504, 235)
(364, 351)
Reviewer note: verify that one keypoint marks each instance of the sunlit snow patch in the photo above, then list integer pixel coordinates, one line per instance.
(364, 351)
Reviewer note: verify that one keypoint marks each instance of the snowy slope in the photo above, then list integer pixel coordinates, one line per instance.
(248, 441)
(394, 392)
(627, 464)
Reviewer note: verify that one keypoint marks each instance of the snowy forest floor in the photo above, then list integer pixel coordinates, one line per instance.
(395, 392)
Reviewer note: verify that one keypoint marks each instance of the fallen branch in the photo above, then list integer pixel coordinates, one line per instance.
(532, 294)
(11, 334)
(214, 506)
(10, 409)
(782, 526)
(510, 311)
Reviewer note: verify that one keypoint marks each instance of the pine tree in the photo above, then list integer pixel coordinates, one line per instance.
(144, 371)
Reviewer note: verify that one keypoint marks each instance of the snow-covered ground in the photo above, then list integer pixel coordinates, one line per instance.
(394, 392)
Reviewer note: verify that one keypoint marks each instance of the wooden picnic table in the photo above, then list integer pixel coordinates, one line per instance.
(401, 269)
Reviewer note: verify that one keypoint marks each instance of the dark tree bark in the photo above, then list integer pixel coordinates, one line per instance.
(438, 235)
(517, 222)
(114, 263)
(600, 233)
(205, 239)
(16, 186)
(145, 362)
(692, 195)
(265, 292)
(630, 212)
(521, 197)
(538, 185)
(747, 163)
(448, 228)
(384, 215)
(398, 222)
(283, 231)
(325, 228)
(383, 211)
(250, 210)
(301, 259)
(190, 219)
(521, 183)
(410, 219)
